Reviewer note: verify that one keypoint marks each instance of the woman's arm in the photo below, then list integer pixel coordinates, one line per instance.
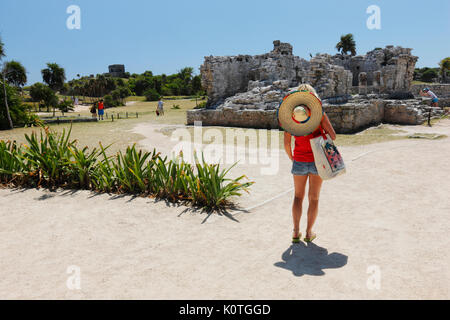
(328, 127)
(287, 144)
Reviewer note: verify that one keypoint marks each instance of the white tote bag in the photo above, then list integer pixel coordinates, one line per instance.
(328, 160)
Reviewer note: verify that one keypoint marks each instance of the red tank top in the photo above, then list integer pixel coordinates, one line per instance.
(302, 149)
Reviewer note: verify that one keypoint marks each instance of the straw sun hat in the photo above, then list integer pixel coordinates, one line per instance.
(300, 113)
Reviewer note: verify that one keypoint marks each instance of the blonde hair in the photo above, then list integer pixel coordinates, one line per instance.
(307, 87)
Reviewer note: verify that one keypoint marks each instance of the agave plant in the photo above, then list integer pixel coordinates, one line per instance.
(53, 160)
(49, 156)
(11, 163)
(208, 186)
(82, 166)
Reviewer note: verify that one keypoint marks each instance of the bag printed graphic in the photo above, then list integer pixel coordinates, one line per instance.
(333, 156)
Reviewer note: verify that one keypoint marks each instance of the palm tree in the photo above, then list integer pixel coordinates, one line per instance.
(16, 73)
(8, 115)
(102, 84)
(54, 76)
(347, 44)
(2, 49)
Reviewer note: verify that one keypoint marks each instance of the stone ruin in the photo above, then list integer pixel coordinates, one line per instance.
(356, 91)
(116, 70)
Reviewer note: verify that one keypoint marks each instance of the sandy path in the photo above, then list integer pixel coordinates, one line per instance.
(389, 213)
(82, 107)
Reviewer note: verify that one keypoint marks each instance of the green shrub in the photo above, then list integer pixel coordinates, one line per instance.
(17, 109)
(201, 105)
(66, 105)
(54, 160)
(425, 74)
(429, 75)
(110, 102)
(152, 95)
(175, 107)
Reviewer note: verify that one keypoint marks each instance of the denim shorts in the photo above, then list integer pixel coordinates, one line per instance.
(435, 100)
(303, 168)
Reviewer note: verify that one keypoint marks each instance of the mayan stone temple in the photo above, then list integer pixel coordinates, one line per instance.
(357, 91)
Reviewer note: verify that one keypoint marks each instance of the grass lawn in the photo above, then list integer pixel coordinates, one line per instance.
(119, 133)
(422, 82)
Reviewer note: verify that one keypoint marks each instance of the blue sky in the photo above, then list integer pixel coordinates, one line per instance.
(165, 36)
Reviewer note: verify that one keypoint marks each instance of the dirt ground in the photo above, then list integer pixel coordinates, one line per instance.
(382, 234)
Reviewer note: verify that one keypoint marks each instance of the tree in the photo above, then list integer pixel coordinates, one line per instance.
(65, 106)
(8, 114)
(2, 49)
(36, 92)
(15, 73)
(186, 74)
(54, 76)
(40, 92)
(347, 44)
(445, 67)
(429, 74)
(196, 84)
(152, 95)
(17, 110)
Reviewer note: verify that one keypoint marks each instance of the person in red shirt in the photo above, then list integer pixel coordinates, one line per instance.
(303, 167)
(101, 110)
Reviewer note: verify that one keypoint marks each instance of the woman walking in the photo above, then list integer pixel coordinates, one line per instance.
(304, 169)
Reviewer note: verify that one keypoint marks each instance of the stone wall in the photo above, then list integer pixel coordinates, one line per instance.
(350, 117)
(260, 119)
(441, 90)
(391, 69)
(329, 80)
(223, 77)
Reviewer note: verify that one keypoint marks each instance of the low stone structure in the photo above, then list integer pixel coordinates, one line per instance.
(440, 89)
(116, 70)
(358, 113)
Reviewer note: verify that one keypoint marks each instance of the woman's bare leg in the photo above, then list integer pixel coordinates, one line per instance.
(299, 184)
(315, 183)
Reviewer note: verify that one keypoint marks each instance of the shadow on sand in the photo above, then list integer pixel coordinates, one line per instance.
(301, 259)
(226, 212)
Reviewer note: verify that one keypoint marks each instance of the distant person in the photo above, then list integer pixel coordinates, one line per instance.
(426, 92)
(101, 110)
(160, 107)
(93, 110)
(76, 101)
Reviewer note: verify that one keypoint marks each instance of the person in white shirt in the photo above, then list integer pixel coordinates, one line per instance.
(426, 92)
(161, 107)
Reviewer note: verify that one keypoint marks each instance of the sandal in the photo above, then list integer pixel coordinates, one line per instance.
(310, 239)
(297, 238)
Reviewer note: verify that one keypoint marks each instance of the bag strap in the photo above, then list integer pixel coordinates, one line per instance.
(322, 132)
